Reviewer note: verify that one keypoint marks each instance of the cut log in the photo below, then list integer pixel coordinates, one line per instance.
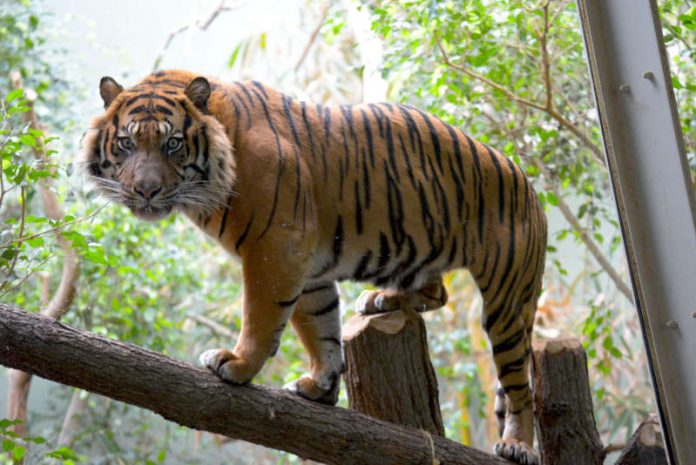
(388, 370)
(646, 446)
(563, 405)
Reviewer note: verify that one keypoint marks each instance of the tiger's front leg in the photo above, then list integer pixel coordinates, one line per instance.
(317, 321)
(273, 280)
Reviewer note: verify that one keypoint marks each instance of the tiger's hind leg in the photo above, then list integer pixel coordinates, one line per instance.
(317, 321)
(510, 335)
(430, 296)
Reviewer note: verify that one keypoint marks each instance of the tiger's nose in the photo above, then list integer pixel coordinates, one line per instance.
(147, 190)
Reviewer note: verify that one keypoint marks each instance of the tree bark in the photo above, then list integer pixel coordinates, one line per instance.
(563, 404)
(196, 398)
(388, 370)
(646, 446)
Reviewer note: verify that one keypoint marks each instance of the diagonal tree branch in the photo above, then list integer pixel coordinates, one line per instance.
(196, 398)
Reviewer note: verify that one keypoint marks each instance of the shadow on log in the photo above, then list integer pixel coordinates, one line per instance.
(194, 397)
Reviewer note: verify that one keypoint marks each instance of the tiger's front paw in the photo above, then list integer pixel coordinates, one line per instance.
(325, 392)
(228, 366)
(517, 451)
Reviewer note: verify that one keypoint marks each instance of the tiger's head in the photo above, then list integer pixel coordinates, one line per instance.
(155, 149)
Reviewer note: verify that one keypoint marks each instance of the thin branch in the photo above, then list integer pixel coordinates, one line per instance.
(201, 24)
(313, 37)
(584, 236)
(553, 113)
(216, 327)
(545, 64)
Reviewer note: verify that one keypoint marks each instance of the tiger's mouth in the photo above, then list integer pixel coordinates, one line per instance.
(150, 212)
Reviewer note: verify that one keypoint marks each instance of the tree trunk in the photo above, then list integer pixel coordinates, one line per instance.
(646, 446)
(563, 405)
(388, 370)
(196, 398)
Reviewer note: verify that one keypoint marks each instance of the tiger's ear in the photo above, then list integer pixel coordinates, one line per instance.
(109, 89)
(198, 91)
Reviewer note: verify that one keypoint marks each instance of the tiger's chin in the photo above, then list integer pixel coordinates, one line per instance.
(151, 213)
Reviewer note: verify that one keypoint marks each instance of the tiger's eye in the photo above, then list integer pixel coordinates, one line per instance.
(173, 144)
(125, 144)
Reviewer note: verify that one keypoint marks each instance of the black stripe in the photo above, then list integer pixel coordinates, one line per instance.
(289, 303)
(246, 93)
(286, 109)
(243, 236)
(151, 96)
(333, 305)
(259, 86)
(407, 159)
(415, 137)
(195, 167)
(368, 135)
(509, 343)
(331, 339)
(224, 216)
(359, 273)
(433, 137)
(511, 367)
(501, 190)
(303, 106)
(358, 210)
(390, 151)
(384, 252)
(138, 109)
(395, 209)
(164, 110)
(478, 180)
(379, 117)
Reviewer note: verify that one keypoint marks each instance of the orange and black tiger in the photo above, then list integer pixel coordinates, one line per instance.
(307, 195)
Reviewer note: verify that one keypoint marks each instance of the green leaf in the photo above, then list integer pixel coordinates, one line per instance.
(18, 452)
(7, 445)
(235, 54)
(28, 139)
(552, 199)
(36, 241)
(14, 94)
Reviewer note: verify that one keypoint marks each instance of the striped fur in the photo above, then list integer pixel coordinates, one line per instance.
(307, 195)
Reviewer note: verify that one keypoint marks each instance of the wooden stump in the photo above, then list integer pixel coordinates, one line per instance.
(646, 446)
(563, 405)
(388, 371)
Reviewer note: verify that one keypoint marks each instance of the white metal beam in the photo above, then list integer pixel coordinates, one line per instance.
(652, 187)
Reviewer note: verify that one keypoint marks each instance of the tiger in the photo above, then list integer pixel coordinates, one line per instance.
(307, 195)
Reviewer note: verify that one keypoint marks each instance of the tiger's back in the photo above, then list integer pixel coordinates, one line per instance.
(373, 192)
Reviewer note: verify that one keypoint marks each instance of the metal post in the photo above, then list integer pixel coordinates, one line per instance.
(650, 177)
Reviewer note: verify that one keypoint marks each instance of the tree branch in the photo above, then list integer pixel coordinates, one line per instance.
(584, 237)
(196, 398)
(552, 185)
(549, 110)
(201, 24)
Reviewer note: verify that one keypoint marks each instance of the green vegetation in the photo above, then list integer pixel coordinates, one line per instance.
(512, 73)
